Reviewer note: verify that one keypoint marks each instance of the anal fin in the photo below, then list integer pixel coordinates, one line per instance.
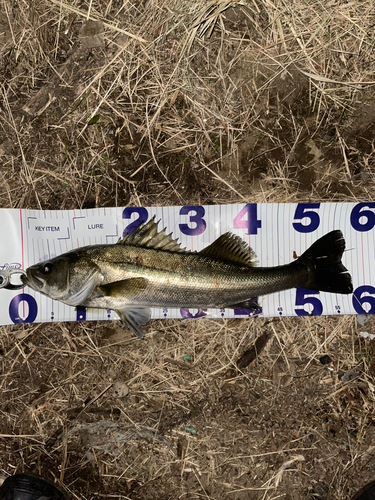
(250, 304)
(134, 317)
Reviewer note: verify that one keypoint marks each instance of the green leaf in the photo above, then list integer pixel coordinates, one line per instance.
(94, 119)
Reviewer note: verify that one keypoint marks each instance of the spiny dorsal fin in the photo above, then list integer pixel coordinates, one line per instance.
(146, 235)
(231, 247)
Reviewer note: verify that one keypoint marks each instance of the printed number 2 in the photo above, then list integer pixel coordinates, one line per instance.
(301, 300)
(251, 223)
(128, 212)
(197, 219)
(303, 211)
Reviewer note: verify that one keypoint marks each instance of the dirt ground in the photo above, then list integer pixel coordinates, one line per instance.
(154, 103)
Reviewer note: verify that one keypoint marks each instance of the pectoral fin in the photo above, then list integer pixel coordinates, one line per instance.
(134, 318)
(125, 288)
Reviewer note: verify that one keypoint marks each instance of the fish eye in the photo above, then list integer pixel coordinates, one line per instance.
(47, 268)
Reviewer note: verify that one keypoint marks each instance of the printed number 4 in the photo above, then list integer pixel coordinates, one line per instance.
(251, 223)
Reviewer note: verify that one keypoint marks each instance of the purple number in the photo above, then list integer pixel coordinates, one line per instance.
(15, 305)
(197, 219)
(185, 313)
(81, 313)
(302, 212)
(301, 300)
(251, 223)
(358, 300)
(358, 213)
(128, 212)
(247, 312)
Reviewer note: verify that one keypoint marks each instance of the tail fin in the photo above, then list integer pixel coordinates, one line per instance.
(325, 271)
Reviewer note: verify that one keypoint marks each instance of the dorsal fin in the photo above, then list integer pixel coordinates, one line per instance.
(231, 247)
(147, 235)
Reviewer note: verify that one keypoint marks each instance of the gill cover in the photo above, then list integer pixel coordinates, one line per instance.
(66, 278)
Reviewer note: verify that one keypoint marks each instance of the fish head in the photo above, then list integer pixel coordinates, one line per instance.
(68, 278)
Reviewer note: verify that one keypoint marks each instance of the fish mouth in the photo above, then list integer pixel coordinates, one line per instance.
(33, 281)
(24, 279)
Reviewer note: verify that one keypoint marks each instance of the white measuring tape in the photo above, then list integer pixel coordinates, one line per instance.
(274, 231)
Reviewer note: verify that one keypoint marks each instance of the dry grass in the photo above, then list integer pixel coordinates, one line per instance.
(187, 102)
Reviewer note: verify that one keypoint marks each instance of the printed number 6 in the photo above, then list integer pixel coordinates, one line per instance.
(302, 211)
(197, 219)
(301, 300)
(358, 213)
(358, 300)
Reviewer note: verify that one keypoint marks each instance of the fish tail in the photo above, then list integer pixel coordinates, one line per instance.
(322, 261)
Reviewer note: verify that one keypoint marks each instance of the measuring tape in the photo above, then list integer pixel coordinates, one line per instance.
(276, 232)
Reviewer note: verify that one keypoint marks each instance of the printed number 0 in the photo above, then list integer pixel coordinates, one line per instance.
(128, 212)
(358, 213)
(197, 219)
(303, 211)
(358, 300)
(301, 300)
(15, 305)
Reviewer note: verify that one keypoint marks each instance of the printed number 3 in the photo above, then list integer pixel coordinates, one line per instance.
(197, 219)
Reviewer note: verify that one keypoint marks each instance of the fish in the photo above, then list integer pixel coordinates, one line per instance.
(148, 268)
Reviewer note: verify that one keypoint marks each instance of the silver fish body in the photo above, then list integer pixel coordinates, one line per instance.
(149, 269)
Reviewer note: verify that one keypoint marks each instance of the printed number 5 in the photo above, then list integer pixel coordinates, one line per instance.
(301, 300)
(303, 211)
